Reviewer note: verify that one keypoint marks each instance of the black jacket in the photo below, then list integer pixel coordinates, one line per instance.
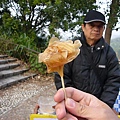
(80, 74)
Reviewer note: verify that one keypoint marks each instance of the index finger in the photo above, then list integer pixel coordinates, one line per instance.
(72, 93)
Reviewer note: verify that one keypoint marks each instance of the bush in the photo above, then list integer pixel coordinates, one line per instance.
(24, 49)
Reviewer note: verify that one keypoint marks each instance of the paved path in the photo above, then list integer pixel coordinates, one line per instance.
(17, 102)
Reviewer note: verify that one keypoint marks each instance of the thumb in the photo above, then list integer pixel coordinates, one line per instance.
(78, 109)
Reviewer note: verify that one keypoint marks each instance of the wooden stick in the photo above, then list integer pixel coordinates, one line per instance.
(60, 71)
(63, 86)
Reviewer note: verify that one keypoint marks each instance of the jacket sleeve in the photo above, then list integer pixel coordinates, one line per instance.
(67, 77)
(112, 84)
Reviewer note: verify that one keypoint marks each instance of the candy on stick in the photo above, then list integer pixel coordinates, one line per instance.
(58, 53)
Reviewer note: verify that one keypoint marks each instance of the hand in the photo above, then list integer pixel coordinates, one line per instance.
(36, 109)
(80, 106)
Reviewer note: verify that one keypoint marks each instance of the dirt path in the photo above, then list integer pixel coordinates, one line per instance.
(17, 102)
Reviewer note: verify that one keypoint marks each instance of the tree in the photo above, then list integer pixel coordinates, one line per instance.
(37, 15)
(114, 15)
(33, 17)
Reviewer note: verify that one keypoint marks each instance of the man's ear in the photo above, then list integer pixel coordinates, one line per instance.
(83, 26)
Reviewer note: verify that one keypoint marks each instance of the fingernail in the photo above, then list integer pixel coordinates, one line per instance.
(72, 118)
(70, 102)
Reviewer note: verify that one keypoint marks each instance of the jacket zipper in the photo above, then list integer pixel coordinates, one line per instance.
(92, 49)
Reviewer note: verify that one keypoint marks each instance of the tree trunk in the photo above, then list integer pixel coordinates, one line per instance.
(108, 33)
(112, 20)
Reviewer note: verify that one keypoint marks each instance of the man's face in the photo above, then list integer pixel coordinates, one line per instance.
(93, 31)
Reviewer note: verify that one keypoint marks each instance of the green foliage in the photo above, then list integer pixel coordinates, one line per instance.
(33, 61)
(23, 51)
(27, 26)
(65, 12)
(34, 16)
(25, 40)
(37, 15)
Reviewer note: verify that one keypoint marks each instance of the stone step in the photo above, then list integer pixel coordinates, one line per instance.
(11, 72)
(3, 56)
(14, 80)
(4, 61)
(9, 66)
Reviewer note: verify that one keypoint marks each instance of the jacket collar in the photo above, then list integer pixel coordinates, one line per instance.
(99, 45)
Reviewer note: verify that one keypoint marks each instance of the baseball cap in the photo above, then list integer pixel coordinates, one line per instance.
(93, 16)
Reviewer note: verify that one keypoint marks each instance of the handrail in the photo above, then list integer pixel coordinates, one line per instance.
(23, 53)
(7, 41)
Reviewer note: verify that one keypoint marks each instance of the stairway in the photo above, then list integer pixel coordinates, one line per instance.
(12, 71)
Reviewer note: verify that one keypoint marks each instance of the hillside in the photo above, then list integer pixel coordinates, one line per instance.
(115, 43)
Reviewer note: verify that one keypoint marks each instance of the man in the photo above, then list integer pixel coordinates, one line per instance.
(96, 69)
